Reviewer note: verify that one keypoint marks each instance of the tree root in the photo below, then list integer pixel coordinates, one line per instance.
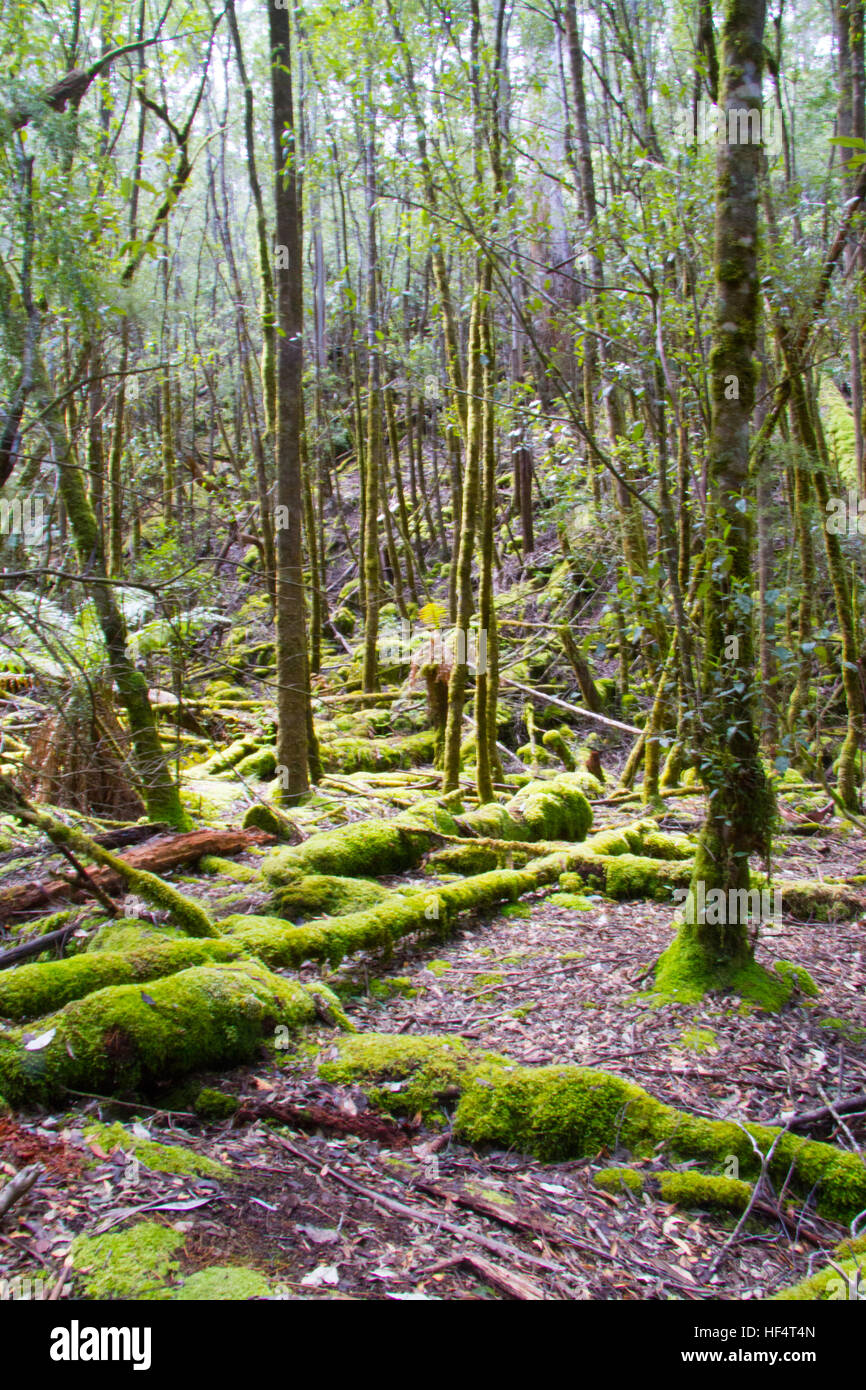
(565, 1112)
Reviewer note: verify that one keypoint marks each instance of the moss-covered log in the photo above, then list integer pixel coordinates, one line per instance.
(187, 914)
(554, 810)
(124, 1037)
(34, 990)
(564, 1112)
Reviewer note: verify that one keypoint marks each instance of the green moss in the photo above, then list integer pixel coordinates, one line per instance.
(685, 973)
(555, 741)
(821, 902)
(125, 1037)
(438, 967)
(228, 868)
(562, 1112)
(618, 1180)
(127, 1264)
(415, 1074)
(372, 848)
(699, 1040)
(393, 985)
(272, 821)
(128, 933)
(220, 1283)
(517, 910)
(262, 764)
(227, 758)
(30, 991)
(705, 1190)
(319, 895)
(160, 1158)
(797, 978)
(852, 1032)
(575, 902)
(211, 1104)
(462, 859)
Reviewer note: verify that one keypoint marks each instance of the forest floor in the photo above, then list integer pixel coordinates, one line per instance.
(347, 1204)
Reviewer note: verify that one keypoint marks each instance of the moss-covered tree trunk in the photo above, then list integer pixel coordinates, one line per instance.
(160, 792)
(739, 813)
(466, 541)
(292, 670)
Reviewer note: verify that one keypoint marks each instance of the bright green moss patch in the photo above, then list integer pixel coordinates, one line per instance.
(326, 895)
(228, 868)
(221, 1283)
(372, 848)
(394, 985)
(462, 859)
(517, 910)
(705, 1190)
(160, 1158)
(272, 821)
(699, 1040)
(575, 902)
(127, 1264)
(685, 973)
(413, 1073)
(438, 967)
(618, 1180)
(797, 977)
(128, 933)
(852, 1032)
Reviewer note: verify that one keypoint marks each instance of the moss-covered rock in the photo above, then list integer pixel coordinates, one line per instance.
(810, 900)
(262, 764)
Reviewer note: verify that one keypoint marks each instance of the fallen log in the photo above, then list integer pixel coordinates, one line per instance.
(158, 856)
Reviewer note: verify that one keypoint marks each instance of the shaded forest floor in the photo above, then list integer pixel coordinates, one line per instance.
(347, 1204)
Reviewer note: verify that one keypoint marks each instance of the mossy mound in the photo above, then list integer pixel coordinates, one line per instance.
(367, 848)
(127, 1264)
(272, 821)
(326, 895)
(211, 1104)
(262, 764)
(812, 901)
(124, 1037)
(128, 933)
(563, 1112)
